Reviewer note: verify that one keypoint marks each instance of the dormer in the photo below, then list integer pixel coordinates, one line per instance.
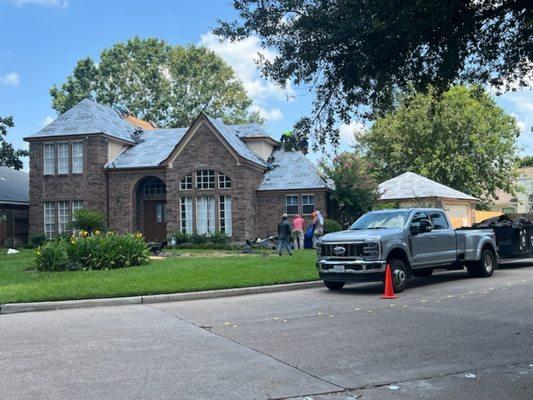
(257, 140)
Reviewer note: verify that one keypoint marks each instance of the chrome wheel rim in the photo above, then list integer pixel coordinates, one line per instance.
(399, 277)
(487, 262)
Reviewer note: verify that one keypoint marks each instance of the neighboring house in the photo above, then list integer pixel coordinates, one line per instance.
(205, 178)
(14, 204)
(413, 190)
(522, 203)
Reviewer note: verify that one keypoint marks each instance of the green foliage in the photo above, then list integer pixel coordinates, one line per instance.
(291, 141)
(208, 246)
(219, 238)
(92, 252)
(36, 240)
(354, 53)
(201, 241)
(330, 226)
(181, 237)
(88, 220)
(526, 161)
(198, 238)
(158, 82)
(461, 139)
(9, 157)
(355, 190)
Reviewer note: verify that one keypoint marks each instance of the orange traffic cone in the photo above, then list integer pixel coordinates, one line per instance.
(389, 288)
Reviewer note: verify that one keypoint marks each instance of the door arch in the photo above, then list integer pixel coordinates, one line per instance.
(151, 215)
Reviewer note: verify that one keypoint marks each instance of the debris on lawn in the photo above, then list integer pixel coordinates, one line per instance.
(12, 251)
(471, 376)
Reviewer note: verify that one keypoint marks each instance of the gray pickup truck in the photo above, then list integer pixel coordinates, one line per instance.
(413, 241)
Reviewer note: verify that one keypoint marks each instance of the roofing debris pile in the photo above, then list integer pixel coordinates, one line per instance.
(504, 220)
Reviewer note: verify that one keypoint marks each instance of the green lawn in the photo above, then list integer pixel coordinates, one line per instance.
(186, 270)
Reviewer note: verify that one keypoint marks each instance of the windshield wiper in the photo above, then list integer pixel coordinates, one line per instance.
(355, 229)
(378, 227)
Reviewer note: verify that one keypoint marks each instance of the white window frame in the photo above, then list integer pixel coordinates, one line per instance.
(77, 157)
(62, 158)
(186, 183)
(63, 216)
(205, 179)
(307, 203)
(205, 215)
(186, 215)
(224, 181)
(49, 159)
(49, 219)
(287, 205)
(225, 216)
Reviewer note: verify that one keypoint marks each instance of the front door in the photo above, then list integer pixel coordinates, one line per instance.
(155, 224)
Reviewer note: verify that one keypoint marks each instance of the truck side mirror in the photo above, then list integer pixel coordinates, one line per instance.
(424, 226)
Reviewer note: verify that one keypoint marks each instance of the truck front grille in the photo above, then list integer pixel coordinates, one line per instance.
(351, 250)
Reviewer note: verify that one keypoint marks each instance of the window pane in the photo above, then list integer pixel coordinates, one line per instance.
(154, 187)
(186, 183)
(160, 212)
(224, 181)
(225, 215)
(205, 179)
(291, 204)
(77, 158)
(308, 204)
(63, 216)
(62, 158)
(49, 220)
(186, 215)
(49, 159)
(439, 221)
(417, 218)
(205, 214)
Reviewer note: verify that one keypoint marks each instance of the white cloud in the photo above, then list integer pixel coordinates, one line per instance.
(48, 120)
(44, 3)
(348, 132)
(269, 115)
(11, 79)
(243, 56)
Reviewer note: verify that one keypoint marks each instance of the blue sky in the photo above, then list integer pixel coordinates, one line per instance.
(41, 41)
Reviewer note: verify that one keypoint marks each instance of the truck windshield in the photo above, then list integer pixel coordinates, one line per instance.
(381, 220)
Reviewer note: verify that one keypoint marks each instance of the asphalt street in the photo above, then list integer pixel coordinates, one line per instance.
(446, 337)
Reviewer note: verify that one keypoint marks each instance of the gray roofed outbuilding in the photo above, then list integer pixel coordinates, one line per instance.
(88, 117)
(292, 171)
(410, 185)
(14, 186)
(155, 147)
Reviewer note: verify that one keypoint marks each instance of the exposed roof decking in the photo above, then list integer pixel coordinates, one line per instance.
(410, 185)
(156, 146)
(14, 186)
(88, 117)
(292, 171)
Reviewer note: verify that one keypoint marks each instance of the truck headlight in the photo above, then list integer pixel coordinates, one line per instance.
(371, 250)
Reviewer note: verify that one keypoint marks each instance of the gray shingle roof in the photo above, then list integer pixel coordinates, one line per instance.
(291, 171)
(14, 186)
(156, 147)
(410, 185)
(250, 130)
(88, 117)
(231, 136)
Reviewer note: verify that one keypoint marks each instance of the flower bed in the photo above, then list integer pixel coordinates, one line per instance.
(92, 251)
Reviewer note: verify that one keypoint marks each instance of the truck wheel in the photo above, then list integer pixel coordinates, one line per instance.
(331, 285)
(399, 275)
(422, 273)
(484, 267)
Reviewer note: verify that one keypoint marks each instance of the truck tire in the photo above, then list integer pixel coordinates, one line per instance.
(484, 267)
(423, 273)
(399, 275)
(333, 285)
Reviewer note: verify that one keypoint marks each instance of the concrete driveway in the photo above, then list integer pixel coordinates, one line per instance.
(446, 337)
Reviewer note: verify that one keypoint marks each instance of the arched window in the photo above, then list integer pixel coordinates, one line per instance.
(224, 181)
(154, 186)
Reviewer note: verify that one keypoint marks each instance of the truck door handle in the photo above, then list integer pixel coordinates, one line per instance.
(433, 236)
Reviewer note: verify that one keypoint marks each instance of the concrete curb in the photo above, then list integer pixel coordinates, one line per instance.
(11, 308)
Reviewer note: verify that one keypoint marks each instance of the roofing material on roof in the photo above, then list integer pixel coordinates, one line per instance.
(155, 147)
(88, 117)
(249, 130)
(14, 186)
(292, 171)
(410, 185)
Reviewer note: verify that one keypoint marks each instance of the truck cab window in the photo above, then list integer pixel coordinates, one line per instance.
(419, 216)
(438, 220)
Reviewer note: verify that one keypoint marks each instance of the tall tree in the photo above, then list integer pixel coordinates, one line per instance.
(9, 157)
(461, 139)
(155, 81)
(357, 53)
(355, 190)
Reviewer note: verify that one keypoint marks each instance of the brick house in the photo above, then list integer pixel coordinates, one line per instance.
(14, 204)
(206, 178)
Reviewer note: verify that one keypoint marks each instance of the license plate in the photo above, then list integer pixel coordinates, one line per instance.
(338, 268)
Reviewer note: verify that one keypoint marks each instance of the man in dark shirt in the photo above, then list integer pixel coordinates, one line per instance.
(284, 235)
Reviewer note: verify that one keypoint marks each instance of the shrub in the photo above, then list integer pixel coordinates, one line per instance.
(215, 240)
(182, 237)
(92, 251)
(88, 220)
(330, 225)
(197, 238)
(219, 238)
(36, 240)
